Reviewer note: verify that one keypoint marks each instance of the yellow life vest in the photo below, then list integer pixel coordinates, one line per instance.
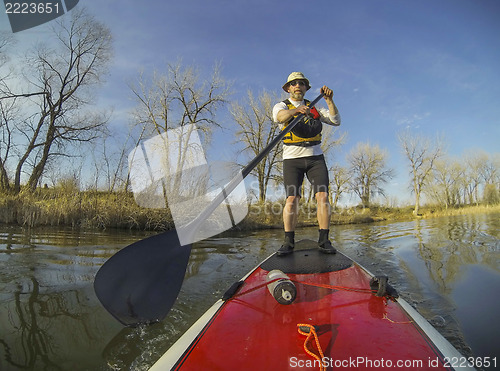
(307, 132)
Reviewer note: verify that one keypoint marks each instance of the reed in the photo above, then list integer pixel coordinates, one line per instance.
(66, 206)
(89, 209)
(437, 211)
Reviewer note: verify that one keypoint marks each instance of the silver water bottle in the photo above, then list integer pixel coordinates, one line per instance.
(283, 290)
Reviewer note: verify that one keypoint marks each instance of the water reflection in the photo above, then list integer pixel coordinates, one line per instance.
(50, 318)
(45, 329)
(440, 266)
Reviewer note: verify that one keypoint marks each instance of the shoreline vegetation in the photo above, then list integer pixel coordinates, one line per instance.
(103, 210)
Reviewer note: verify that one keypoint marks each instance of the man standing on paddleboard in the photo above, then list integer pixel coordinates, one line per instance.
(302, 155)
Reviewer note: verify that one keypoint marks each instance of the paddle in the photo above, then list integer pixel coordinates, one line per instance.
(140, 283)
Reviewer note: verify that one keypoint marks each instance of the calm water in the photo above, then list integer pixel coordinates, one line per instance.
(50, 319)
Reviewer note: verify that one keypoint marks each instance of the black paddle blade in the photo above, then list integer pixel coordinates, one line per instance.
(140, 283)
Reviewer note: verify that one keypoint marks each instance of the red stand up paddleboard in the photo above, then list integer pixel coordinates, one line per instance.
(310, 310)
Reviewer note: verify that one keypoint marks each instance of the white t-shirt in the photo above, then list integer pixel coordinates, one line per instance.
(291, 151)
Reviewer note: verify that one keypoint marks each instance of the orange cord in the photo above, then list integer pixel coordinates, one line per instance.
(310, 334)
(395, 322)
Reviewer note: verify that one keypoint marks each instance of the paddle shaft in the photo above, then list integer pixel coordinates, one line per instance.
(247, 170)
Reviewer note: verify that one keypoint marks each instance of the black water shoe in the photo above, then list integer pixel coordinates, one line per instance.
(285, 249)
(327, 248)
(288, 244)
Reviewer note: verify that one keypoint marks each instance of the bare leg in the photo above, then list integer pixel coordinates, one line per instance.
(324, 212)
(290, 216)
(290, 213)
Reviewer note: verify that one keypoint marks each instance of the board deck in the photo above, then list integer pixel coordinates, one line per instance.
(252, 331)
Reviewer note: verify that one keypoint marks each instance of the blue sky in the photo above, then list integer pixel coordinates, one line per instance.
(432, 65)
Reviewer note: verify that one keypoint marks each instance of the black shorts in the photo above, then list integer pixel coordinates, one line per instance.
(314, 167)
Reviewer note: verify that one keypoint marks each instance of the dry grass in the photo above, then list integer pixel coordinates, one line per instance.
(92, 209)
(63, 206)
(437, 211)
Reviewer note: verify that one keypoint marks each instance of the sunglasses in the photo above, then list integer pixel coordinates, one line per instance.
(300, 82)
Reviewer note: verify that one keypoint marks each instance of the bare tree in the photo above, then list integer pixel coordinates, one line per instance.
(491, 196)
(339, 183)
(447, 182)
(8, 111)
(331, 140)
(179, 98)
(476, 163)
(60, 80)
(422, 154)
(6, 40)
(369, 171)
(456, 182)
(257, 130)
(109, 157)
(490, 172)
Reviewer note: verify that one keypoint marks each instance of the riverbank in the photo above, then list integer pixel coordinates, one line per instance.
(89, 209)
(270, 214)
(101, 210)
